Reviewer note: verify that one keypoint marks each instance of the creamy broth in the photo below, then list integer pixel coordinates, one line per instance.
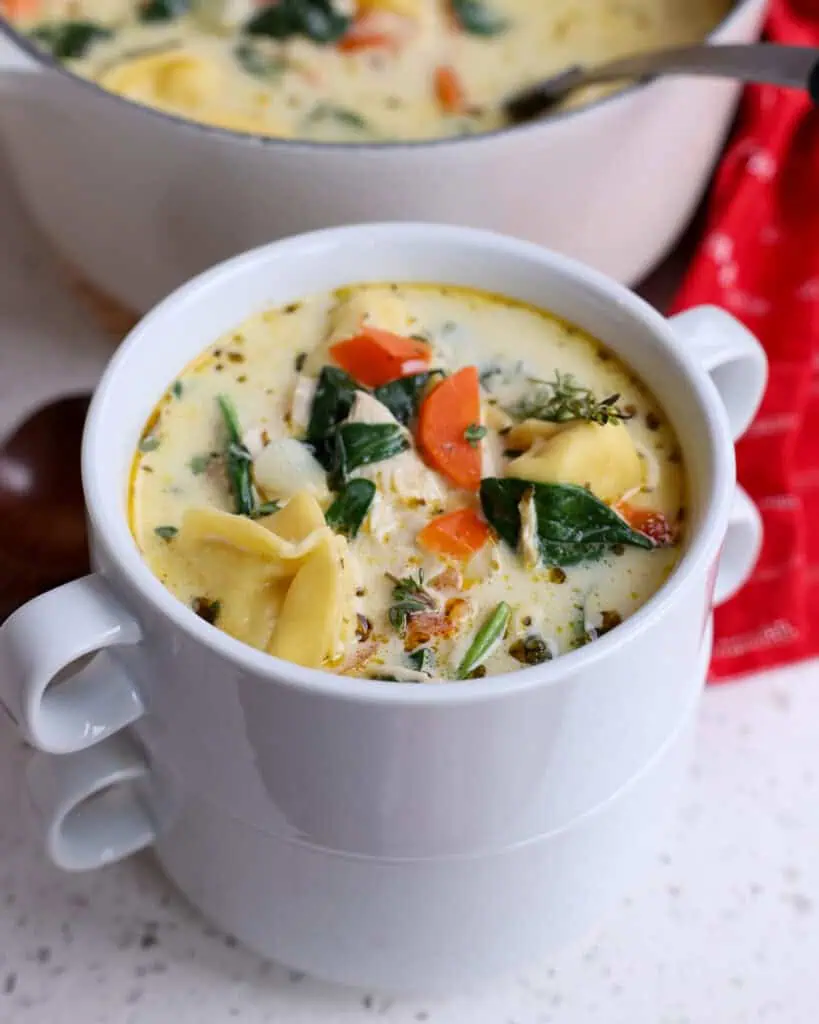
(347, 69)
(492, 446)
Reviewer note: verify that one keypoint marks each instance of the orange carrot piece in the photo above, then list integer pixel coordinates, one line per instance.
(449, 90)
(648, 521)
(459, 534)
(375, 357)
(358, 39)
(14, 9)
(443, 418)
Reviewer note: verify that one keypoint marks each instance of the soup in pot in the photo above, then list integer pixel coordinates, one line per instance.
(353, 70)
(409, 482)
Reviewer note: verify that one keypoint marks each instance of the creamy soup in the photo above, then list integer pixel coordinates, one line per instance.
(409, 482)
(347, 69)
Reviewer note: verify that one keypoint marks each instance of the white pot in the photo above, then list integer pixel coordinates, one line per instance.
(380, 833)
(139, 202)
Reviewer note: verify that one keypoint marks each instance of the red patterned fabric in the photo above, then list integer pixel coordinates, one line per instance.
(759, 259)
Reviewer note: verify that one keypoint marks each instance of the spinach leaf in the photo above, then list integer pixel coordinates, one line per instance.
(324, 111)
(255, 62)
(422, 659)
(238, 460)
(70, 39)
(572, 525)
(347, 512)
(477, 19)
(162, 10)
(360, 444)
(316, 19)
(403, 396)
(334, 397)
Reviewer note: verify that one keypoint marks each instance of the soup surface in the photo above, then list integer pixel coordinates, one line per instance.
(350, 70)
(409, 482)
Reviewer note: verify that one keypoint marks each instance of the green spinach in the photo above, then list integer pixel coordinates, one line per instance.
(324, 111)
(316, 19)
(361, 444)
(572, 525)
(68, 40)
(237, 460)
(332, 402)
(348, 511)
(257, 63)
(403, 396)
(476, 18)
(162, 10)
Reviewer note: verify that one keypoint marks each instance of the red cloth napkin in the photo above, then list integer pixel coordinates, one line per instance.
(759, 259)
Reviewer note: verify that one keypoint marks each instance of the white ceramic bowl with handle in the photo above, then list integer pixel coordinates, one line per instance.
(371, 832)
(139, 201)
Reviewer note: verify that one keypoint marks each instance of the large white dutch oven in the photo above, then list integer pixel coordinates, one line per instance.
(378, 833)
(139, 201)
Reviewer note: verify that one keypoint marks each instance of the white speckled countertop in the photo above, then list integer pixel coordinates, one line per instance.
(724, 931)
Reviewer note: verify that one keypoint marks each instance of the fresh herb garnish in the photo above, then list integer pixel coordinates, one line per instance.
(238, 461)
(68, 40)
(177, 389)
(350, 508)
(563, 399)
(162, 10)
(408, 597)
(475, 17)
(324, 111)
(259, 64)
(199, 463)
(148, 442)
(474, 433)
(403, 396)
(317, 19)
(572, 525)
(422, 659)
(531, 650)
(206, 609)
(361, 444)
(267, 508)
(487, 637)
(166, 532)
(332, 402)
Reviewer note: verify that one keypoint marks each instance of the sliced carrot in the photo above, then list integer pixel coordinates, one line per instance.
(459, 534)
(19, 8)
(375, 357)
(443, 418)
(648, 521)
(449, 90)
(376, 30)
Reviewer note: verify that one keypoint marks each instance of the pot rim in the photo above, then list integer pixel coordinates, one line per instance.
(40, 57)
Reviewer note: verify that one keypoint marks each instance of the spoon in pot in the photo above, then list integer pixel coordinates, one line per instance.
(42, 541)
(793, 66)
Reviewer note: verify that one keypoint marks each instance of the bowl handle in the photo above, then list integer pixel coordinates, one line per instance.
(89, 804)
(57, 681)
(732, 358)
(738, 367)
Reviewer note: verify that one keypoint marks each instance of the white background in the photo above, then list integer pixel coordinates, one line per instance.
(724, 930)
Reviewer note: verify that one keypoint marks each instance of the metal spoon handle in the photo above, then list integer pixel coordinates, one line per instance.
(793, 66)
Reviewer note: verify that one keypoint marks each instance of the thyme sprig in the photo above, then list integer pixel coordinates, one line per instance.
(563, 399)
(408, 597)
